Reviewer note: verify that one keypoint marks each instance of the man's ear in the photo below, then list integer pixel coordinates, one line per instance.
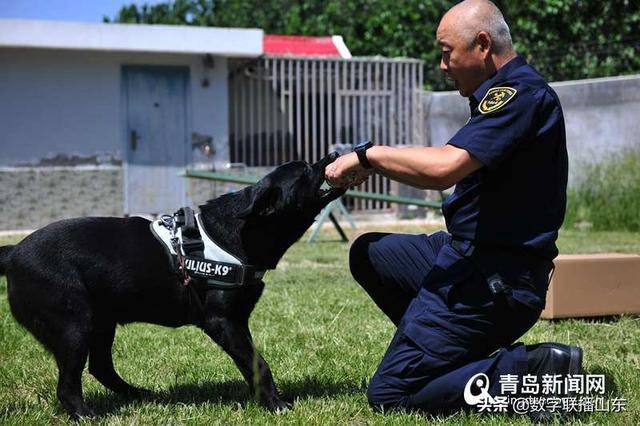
(485, 42)
(263, 202)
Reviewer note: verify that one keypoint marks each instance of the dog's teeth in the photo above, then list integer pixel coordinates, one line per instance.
(323, 192)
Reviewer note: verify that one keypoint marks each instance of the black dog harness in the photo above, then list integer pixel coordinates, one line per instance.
(196, 257)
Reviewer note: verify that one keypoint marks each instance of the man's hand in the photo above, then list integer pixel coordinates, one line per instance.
(346, 171)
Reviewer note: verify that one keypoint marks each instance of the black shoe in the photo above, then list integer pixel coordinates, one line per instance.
(553, 358)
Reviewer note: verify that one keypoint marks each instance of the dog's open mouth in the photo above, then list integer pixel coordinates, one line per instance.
(327, 191)
(324, 192)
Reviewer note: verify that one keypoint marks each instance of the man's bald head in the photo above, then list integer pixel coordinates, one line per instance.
(475, 42)
(468, 18)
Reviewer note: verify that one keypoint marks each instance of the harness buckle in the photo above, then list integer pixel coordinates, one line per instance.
(186, 220)
(192, 246)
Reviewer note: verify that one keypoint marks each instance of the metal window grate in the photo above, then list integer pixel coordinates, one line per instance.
(284, 109)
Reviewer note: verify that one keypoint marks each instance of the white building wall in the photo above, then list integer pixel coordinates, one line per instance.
(69, 102)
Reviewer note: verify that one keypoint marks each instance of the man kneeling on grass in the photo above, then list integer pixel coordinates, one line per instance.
(461, 299)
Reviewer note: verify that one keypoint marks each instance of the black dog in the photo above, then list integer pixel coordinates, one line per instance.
(72, 281)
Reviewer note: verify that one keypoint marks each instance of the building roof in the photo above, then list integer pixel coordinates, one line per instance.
(286, 45)
(130, 37)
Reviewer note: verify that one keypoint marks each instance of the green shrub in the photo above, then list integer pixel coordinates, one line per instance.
(607, 194)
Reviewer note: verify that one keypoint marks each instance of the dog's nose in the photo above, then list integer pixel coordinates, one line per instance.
(328, 159)
(333, 156)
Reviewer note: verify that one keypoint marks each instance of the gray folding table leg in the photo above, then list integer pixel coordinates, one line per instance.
(324, 214)
(343, 236)
(345, 213)
(327, 212)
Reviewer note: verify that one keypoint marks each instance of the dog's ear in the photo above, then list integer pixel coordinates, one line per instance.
(264, 201)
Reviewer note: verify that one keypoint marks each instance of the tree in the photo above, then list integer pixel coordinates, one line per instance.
(564, 39)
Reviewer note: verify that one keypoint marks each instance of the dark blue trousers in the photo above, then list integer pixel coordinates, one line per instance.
(450, 326)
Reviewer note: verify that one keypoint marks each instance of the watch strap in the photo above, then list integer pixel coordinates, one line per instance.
(361, 152)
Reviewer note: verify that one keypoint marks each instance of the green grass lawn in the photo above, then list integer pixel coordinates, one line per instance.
(323, 339)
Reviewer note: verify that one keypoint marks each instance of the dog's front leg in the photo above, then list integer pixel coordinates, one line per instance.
(235, 338)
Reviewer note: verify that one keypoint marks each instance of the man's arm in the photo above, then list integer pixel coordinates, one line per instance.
(423, 167)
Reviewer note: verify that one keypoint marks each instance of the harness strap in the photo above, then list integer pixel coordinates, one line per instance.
(221, 273)
(186, 220)
(191, 240)
(195, 299)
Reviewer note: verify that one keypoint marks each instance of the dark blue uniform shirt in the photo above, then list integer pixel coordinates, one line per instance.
(515, 204)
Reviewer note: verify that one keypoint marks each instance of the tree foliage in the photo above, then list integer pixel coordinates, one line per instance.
(564, 39)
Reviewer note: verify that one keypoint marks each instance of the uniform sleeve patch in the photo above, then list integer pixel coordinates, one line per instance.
(496, 98)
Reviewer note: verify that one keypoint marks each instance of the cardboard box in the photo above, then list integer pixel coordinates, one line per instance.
(589, 285)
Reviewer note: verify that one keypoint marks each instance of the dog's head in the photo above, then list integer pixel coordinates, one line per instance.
(260, 222)
(282, 206)
(291, 190)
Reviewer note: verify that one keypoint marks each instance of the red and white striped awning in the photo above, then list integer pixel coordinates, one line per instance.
(287, 45)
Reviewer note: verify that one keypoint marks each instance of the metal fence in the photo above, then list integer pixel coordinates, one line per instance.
(284, 109)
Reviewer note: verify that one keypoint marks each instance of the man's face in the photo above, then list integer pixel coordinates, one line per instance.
(462, 63)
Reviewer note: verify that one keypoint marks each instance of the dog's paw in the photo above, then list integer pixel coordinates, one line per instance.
(278, 406)
(83, 413)
(139, 393)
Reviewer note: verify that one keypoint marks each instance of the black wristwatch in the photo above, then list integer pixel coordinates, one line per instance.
(361, 152)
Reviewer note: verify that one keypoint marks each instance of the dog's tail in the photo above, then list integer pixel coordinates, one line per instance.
(5, 256)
